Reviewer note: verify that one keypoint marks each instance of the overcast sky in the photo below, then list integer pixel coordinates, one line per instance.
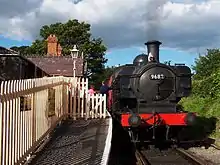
(121, 23)
(186, 25)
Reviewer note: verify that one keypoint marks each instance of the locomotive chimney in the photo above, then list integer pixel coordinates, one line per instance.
(153, 49)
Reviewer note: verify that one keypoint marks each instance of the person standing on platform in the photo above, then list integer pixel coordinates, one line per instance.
(92, 90)
(104, 88)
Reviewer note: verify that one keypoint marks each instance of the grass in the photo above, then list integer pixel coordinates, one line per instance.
(205, 107)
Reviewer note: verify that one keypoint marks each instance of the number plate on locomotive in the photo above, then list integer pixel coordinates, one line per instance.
(157, 76)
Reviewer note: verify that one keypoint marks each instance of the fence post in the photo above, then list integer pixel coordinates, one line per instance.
(78, 96)
(93, 105)
(87, 106)
(70, 98)
(34, 114)
(2, 110)
(64, 100)
(74, 97)
(104, 106)
(82, 94)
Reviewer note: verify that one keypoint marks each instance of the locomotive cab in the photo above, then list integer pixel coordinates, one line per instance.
(123, 97)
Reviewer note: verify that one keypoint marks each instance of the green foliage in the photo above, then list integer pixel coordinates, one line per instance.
(107, 72)
(68, 34)
(196, 104)
(71, 33)
(206, 81)
(23, 50)
(208, 64)
(206, 88)
(38, 47)
(205, 107)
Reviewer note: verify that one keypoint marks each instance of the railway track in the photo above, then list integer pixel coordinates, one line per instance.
(172, 156)
(215, 146)
(141, 158)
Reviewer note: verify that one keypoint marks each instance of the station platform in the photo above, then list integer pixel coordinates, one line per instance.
(79, 142)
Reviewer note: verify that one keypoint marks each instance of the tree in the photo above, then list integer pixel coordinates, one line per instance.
(206, 65)
(206, 79)
(23, 50)
(38, 47)
(106, 73)
(68, 34)
(109, 71)
(71, 33)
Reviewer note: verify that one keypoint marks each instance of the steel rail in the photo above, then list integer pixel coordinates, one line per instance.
(191, 157)
(188, 156)
(215, 146)
(141, 159)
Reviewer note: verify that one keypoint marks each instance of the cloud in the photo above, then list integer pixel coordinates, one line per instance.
(191, 25)
(11, 8)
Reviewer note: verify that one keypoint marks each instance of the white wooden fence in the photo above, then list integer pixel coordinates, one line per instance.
(84, 105)
(30, 109)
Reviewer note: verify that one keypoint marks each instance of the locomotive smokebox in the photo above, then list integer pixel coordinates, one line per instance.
(153, 49)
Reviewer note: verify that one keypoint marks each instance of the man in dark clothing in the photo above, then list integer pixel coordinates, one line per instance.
(104, 89)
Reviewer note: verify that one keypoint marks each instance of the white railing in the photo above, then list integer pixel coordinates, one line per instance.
(82, 104)
(97, 103)
(30, 109)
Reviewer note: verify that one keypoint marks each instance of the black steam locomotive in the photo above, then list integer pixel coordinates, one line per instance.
(145, 94)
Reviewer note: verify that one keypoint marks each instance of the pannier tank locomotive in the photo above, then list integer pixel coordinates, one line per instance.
(145, 94)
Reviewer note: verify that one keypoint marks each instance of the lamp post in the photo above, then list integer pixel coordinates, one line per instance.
(74, 54)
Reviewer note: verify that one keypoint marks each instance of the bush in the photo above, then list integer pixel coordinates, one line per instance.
(205, 97)
(206, 107)
(207, 87)
(195, 104)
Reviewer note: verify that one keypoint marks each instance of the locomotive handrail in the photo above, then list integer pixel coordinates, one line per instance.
(130, 76)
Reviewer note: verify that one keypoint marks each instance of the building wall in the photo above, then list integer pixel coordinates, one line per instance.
(15, 67)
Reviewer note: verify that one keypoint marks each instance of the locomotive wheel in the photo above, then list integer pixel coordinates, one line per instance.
(134, 139)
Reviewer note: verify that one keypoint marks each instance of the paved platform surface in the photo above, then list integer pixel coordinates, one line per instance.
(78, 142)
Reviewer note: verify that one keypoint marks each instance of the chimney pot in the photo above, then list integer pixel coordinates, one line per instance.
(52, 45)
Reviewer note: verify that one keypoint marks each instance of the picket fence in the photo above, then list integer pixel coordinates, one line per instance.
(84, 105)
(30, 109)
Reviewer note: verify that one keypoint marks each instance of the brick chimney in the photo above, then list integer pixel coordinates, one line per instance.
(52, 45)
(59, 50)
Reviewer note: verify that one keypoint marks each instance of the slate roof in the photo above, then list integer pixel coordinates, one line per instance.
(6, 51)
(58, 65)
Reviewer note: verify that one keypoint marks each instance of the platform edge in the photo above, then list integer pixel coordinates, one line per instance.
(107, 149)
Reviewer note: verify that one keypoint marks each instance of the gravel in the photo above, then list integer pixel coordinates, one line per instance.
(210, 154)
